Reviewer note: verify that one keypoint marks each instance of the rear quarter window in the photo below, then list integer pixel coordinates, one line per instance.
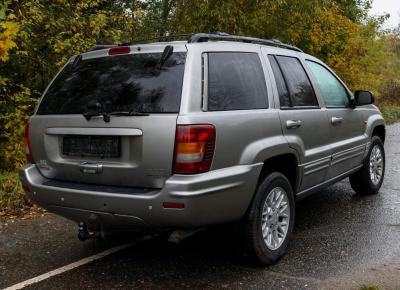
(133, 82)
(235, 82)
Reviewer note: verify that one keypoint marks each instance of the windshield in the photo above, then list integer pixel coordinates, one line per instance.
(134, 82)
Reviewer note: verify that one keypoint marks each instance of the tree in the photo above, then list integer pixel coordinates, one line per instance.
(38, 36)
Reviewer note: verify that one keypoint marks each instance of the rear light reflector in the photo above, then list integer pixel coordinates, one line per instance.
(194, 148)
(176, 205)
(119, 50)
(28, 149)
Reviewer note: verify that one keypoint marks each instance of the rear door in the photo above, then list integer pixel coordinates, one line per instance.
(345, 124)
(132, 146)
(303, 122)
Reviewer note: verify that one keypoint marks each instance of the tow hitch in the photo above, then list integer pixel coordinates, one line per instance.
(84, 234)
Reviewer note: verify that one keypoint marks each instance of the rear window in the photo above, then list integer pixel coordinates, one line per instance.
(133, 82)
(236, 82)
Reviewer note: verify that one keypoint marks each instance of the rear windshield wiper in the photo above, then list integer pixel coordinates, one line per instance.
(90, 114)
(95, 110)
(130, 113)
(106, 115)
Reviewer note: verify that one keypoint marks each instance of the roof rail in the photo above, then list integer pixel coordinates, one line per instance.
(163, 38)
(204, 37)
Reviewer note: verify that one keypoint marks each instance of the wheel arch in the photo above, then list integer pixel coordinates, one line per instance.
(380, 131)
(287, 164)
(376, 127)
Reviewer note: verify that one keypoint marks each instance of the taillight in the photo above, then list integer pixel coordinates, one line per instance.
(119, 50)
(194, 148)
(28, 149)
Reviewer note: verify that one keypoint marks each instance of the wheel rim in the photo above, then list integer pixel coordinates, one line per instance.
(275, 218)
(376, 165)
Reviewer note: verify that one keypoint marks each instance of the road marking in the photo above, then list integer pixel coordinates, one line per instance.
(76, 264)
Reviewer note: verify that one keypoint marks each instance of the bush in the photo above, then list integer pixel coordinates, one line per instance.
(391, 114)
(16, 105)
(12, 197)
(390, 94)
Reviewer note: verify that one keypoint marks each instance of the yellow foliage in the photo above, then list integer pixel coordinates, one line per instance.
(8, 32)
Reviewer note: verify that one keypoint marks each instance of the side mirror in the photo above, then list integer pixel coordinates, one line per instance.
(362, 98)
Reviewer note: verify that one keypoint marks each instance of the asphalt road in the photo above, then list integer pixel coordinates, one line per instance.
(341, 240)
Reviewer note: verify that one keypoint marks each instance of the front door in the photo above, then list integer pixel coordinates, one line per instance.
(345, 124)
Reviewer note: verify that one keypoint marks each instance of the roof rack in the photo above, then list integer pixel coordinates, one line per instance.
(162, 38)
(204, 37)
(144, 40)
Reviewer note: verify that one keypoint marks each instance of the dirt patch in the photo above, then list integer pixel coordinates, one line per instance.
(384, 276)
(7, 219)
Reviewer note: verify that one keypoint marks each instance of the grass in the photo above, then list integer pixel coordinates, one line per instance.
(369, 287)
(391, 114)
(13, 201)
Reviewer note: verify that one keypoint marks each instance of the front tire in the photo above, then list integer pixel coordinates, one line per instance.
(368, 180)
(268, 225)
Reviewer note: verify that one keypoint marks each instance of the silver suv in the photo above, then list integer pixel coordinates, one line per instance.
(185, 134)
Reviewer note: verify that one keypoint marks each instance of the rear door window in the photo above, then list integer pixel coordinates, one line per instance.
(295, 82)
(132, 82)
(235, 82)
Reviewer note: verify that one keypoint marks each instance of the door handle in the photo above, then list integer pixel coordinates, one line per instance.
(293, 124)
(336, 120)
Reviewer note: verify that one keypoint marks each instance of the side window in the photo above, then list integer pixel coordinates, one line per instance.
(295, 82)
(235, 82)
(283, 92)
(333, 92)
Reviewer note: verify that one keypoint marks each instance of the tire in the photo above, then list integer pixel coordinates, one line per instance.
(367, 180)
(264, 251)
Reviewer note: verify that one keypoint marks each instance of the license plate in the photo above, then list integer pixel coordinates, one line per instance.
(92, 146)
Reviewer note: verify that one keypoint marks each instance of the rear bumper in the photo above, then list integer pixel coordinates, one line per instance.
(214, 197)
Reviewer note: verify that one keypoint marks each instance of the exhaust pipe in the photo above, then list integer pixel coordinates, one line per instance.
(177, 236)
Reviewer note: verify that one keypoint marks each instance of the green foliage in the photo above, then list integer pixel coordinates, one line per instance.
(339, 32)
(390, 93)
(12, 198)
(53, 31)
(16, 104)
(391, 113)
(355, 10)
(369, 287)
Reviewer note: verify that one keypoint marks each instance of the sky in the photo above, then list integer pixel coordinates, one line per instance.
(392, 7)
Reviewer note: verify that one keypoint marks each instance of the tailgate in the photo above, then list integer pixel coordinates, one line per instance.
(139, 91)
(143, 159)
